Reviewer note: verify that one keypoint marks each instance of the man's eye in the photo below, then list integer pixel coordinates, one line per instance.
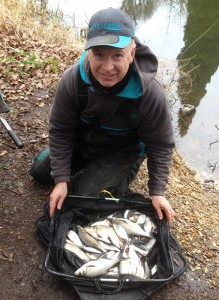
(118, 56)
(98, 55)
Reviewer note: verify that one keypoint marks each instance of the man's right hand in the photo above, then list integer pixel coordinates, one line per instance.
(57, 196)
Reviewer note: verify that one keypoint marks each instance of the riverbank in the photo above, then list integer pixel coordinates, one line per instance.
(29, 72)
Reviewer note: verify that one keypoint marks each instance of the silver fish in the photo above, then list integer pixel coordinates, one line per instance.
(126, 213)
(108, 247)
(141, 271)
(141, 219)
(72, 236)
(104, 233)
(76, 250)
(153, 270)
(98, 267)
(131, 227)
(88, 239)
(140, 251)
(147, 271)
(149, 226)
(136, 266)
(136, 217)
(87, 249)
(103, 222)
(91, 250)
(144, 246)
(121, 232)
(150, 244)
(130, 265)
(110, 254)
(69, 241)
(93, 256)
(114, 272)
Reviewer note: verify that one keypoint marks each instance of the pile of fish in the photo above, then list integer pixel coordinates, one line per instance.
(115, 246)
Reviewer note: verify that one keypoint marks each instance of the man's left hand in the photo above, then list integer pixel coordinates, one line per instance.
(161, 204)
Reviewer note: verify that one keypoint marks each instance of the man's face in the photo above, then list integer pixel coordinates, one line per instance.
(109, 65)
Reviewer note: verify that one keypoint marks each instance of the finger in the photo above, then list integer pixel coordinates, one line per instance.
(60, 202)
(169, 219)
(159, 213)
(170, 214)
(52, 206)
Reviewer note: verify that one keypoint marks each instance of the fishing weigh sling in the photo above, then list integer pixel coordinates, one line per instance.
(166, 260)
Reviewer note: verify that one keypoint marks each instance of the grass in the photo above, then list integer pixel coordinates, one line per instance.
(33, 38)
(28, 19)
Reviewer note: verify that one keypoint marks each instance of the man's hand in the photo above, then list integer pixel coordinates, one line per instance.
(58, 196)
(160, 203)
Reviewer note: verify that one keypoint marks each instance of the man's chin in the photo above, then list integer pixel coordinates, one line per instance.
(107, 83)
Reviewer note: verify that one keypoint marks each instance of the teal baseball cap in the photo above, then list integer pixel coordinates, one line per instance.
(110, 27)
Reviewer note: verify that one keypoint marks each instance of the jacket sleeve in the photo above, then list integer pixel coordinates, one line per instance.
(157, 134)
(63, 124)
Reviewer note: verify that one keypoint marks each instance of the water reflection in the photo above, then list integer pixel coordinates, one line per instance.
(140, 10)
(201, 46)
(201, 37)
(143, 10)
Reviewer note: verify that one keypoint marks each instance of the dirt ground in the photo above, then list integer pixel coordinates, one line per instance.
(22, 255)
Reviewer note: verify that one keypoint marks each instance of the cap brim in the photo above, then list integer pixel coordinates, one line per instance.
(108, 40)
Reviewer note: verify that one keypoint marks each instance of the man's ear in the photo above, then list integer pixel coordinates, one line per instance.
(88, 54)
(133, 50)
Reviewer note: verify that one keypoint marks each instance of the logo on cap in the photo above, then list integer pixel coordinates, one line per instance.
(106, 26)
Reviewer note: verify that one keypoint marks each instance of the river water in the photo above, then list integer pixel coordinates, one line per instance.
(184, 34)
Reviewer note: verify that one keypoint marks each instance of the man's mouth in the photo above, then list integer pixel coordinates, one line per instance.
(107, 77)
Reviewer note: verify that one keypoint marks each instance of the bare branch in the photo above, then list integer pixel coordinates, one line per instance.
(213, 143)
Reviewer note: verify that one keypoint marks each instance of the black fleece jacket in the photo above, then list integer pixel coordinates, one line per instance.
(136, 120)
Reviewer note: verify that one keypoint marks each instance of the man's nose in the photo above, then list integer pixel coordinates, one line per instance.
(108, 63)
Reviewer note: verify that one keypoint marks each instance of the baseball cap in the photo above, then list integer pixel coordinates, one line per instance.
(110, 27)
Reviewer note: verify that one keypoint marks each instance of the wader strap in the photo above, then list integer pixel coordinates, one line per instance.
(82, 92)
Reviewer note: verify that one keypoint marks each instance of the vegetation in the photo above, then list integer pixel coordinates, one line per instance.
(34, 40)
(28, 19)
